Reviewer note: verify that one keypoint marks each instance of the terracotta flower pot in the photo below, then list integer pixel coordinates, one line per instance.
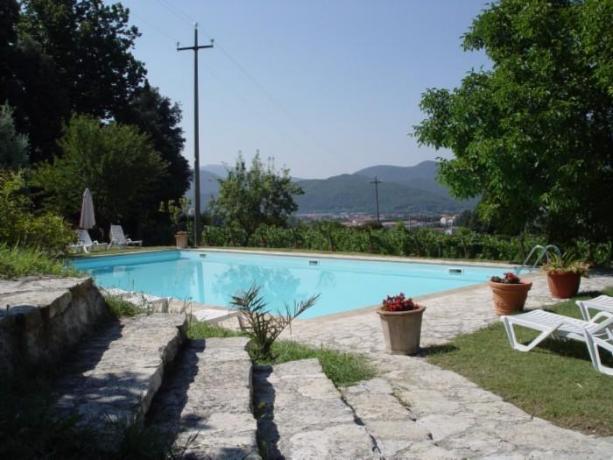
(401, 330)
(181, 239)
(509, 298)
(563, 285)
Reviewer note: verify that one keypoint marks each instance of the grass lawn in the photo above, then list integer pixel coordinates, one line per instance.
(555, 381)
(340, 367)
(121, 308)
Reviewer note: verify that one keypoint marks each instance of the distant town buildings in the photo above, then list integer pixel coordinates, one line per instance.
(443, 222)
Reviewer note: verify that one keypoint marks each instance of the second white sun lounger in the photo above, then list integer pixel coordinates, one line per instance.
(600, 303)
(597, 334)
(118, 238)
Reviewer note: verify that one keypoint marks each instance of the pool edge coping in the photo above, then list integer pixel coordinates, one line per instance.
(367, 257)
(323, 255)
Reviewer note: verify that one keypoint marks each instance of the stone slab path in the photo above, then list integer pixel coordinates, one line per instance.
(463, 420)
(391, 425)
(205, 403)
(310, 420)
(466, 421)
(115, 373)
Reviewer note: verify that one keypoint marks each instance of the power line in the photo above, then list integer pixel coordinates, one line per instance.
(184, 16)
(177, 11)
(210, 71)
(153, 26)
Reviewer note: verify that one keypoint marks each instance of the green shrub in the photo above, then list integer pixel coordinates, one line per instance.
(17, 261)
(19, 225)
(399, 241)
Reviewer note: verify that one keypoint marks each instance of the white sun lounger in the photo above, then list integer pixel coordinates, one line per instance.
(85, 242)
(600, 303)
(119, 238)
(596, 334)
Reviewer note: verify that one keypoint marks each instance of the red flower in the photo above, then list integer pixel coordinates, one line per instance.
(399, 303)
(509, 278)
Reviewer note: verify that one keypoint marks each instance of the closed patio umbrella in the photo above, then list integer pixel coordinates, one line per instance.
(88, 218)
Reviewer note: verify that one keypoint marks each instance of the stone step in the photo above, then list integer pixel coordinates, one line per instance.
(391, 424)
(205, 403)
(114, 374)
(301, 415)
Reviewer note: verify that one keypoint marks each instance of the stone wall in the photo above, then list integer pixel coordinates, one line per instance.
(42, 318)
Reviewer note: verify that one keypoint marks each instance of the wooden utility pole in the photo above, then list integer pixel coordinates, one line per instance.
(377, 182)
(195, 49)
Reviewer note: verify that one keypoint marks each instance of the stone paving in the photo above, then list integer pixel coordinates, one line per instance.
(114, 374)
(391, 424)
(302, 415)
(205, 403)
(461, 420)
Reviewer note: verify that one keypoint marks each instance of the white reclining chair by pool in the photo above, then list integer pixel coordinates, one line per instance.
(119, 238)
(597, 333)
(600, 303)
(85, 242)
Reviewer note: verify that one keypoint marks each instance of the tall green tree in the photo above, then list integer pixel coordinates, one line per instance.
(255, 195)
(28, 82)
(13, 146)
(116, 162)
(160, 118)
(62, 57)
(91, 43)
(9, 15)
(533, 136)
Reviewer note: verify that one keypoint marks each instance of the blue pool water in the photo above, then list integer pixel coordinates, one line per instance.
(213, 277)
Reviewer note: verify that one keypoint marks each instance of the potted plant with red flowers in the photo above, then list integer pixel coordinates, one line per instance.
(564, 275)
(510, 293)
(401, 321)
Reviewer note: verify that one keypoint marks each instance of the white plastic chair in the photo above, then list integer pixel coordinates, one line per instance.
(596, 334)
(119, 238)
(600, 303)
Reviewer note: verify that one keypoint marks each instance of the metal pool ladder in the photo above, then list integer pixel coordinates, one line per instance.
(544, 252)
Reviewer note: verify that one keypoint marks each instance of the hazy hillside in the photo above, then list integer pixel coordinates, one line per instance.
(403, 189)
(422, 176)
(355, 193)
(217, 170)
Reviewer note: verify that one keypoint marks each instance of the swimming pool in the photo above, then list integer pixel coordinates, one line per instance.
(213, 277)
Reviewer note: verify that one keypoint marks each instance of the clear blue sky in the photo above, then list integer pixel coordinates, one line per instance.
(324, 86)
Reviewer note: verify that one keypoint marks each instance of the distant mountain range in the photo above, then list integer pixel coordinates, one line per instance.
(409, 189)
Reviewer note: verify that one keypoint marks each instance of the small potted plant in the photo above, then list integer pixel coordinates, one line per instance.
(509, 292)
(564, 275)
(401, 321)
(178, 215)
